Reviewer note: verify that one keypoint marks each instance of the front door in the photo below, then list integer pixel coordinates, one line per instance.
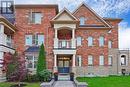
(63, 65)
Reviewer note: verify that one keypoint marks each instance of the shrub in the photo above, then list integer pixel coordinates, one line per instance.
(31, 78)
(45, 76)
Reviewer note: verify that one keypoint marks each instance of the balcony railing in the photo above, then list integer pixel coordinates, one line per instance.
(64, 44)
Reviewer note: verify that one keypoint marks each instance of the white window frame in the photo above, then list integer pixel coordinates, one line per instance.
(101, 60)
(79, 60)
(90, 60)
(110, 60)
(109, 44)
(101, 41)
(32, 61)
(125, 61)
(90, 41)
(27, 43)
(39, 39)
(82, 20)
(79, 41)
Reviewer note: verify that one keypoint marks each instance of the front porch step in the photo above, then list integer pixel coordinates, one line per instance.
(2, 79)
(64, 77)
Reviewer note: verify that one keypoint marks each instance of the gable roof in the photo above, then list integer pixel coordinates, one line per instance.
(93, 12)
(67, 11)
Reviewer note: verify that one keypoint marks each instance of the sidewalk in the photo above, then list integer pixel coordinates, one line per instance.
(64, 84)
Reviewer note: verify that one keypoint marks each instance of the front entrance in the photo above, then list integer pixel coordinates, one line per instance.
(64, 65)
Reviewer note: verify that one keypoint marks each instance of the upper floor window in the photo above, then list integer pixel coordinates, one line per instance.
(7, 7)
(109, 60)
(40, 39)
(90, 60)
(101, 41)
(101, 60)
(82, 20)
(31, 61)
(78, 60)
(123, 60)
(28, 40)
(109, 44)
(90, 41)
(35, 17)
(34, 39)
(79, 41)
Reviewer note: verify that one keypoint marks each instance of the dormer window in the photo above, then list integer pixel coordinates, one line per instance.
(82, 20)
(7, 7)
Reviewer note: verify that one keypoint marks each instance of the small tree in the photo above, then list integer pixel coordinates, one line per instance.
(41, 64)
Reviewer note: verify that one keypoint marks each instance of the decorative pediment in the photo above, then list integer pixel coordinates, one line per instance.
(64, 15)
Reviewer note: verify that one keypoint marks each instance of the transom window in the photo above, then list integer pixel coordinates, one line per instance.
(79, 60)
(101, 60)
(7, 7)
(90, 60)
(101, 41)
(79, 41)
(31, 61)
(90, 41)
(34, 39)
(35, 17)
(82, 20)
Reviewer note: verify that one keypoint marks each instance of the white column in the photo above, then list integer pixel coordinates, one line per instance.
(55, 60)
(55, 40)
(1, 58)
(73, 60)
(73, 39)
(1, 28)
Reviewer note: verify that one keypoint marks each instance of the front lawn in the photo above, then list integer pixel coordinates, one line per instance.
(8, 84)
(111, 81)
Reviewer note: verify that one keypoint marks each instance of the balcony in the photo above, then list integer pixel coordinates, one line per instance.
(64, 44)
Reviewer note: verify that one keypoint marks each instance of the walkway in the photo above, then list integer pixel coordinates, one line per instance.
(64, 84)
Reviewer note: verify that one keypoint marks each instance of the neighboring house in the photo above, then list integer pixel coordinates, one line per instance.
(81, 42)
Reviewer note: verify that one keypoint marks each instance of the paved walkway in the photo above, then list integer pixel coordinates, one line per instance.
(64, 84)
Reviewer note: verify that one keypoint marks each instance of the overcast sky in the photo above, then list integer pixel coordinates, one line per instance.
(105, 8)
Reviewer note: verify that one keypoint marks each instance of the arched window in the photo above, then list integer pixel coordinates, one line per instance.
(101, 41)
(79, 41)
(82, 20)
(90, 41)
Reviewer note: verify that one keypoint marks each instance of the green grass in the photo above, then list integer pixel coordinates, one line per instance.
(8, 84)
(111, 81)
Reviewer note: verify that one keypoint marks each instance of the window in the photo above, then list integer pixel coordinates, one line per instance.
(109, 44)
(31, 61)
(79, 60)
(101, 41)
(40, 39)
(35, 17)
(90, 60)
(9, 41)
(110, 60)
(101, 60)
(79, 41)
(90, 41)
(82, 20)
(7, 7)
(123, 60)
(28, 40)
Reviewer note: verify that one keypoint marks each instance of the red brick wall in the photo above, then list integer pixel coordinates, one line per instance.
(25, 28)
(95, 50)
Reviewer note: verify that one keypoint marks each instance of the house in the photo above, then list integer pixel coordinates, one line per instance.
(81, 41)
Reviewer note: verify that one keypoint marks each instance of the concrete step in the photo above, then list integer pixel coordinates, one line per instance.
(2, 79)
(64, 77)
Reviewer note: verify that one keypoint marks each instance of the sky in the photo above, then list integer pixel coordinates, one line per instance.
(105, 8)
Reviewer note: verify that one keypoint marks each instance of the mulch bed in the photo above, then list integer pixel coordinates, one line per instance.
(16, 85)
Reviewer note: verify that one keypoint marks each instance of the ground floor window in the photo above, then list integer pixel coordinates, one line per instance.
(110, 60)
(90, 60)
(78, 60)
(101, 60)
(123, 60)
(31, 61)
